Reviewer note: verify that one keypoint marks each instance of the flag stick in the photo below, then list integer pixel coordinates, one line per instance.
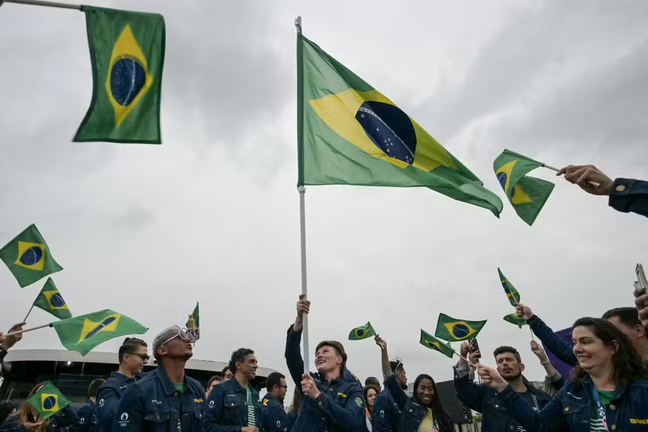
(30, 309)
(531, 331)
(28, 330)
(44, 3)
(464, 359)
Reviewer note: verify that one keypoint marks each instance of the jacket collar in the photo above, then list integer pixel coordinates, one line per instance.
(588, 385)
(270, 397)
(237, 385)
(123, 378)
(167, 385)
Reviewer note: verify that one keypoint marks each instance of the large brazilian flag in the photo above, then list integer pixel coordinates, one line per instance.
(349, 133)
(127, 55)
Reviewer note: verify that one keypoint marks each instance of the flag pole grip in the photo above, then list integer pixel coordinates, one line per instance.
(45, 3)
(557, 170)
(28, 330)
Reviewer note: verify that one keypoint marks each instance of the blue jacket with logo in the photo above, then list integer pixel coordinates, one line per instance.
(88, 421)
(154, 404)
(340, 406)
(386, 414)
(227, 408)
(629, 195)
(571, 408)
(483, 399)
(108, 396)
(274, 414)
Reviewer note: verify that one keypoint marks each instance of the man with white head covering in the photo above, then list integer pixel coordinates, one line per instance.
(165, 399)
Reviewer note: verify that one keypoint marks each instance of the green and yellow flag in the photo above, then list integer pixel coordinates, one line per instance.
(84, 332)
(364, 332)
(429, 341)
(527, 194)
(51, 300)
(48, 400)
(452, 329)
(514, 319)
(511, 293)
(349, 133)
(193, 323)
(127, 55)
(28, 257)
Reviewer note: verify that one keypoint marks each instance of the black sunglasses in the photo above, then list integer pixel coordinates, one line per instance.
(142, 356)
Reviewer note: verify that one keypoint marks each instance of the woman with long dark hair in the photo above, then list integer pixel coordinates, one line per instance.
(608, 390)
(370, 393)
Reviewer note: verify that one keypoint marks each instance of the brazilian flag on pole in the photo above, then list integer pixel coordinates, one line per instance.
(452, 329)
(527, 194)
(431, 342)
(511, 293)
(193, 323)
(364, 332)
(351, 134)
(51, 300)
(84, 332)
(28, 257)
(127, 55)
(514, 319)
(48, 400)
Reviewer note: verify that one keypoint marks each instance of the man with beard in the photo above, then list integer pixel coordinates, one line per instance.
(483, 399)
(234, 404)
(164, 399)
(386, 414)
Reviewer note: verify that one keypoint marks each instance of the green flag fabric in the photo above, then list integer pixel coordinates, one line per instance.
(351, 134)
(84, 332)
(431, 342)
(48, 400)
(514, 319)
(527, 194)
(193, 323)
(28, 257)
(127, 55)
(452, 329)
(511, 293)
(364, 332)
(51, 300)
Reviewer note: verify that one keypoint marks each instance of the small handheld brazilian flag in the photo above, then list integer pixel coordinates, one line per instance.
(514, 319)
(51, 300)
(127, 55)
(193, 323)
(84, 332)
(364, 332)
(452, 329)
(28, 257)
(527, 194)
(350, 133)
(429, 341)
(511, 293)
(48, 400)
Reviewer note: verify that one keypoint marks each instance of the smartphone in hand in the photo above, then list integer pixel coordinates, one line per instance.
(641, 283)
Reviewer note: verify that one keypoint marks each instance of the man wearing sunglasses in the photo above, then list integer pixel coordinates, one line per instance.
(274, 413)
(164, 399)
(133, 356)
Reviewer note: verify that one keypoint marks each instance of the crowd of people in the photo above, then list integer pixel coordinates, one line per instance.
(608, 390)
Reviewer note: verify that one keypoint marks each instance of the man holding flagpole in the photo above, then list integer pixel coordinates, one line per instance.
(332, 399)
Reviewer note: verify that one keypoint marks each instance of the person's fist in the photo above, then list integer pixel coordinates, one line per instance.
(539, 351)
(589, 178)
(303, 305)
(523, 312)
(492, 378)
(465, 348)
(7, 342)
(474, 356)
(308, 386)
(380, 342)
(641, 301)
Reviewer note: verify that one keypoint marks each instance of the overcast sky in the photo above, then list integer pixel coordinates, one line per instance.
(211, 215)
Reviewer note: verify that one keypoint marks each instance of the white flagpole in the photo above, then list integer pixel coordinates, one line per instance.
(44, 3)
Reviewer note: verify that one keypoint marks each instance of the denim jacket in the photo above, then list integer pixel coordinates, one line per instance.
(629, 195)
(571, 409)
(108, 396)
(386, 413)
(274, 414)
(154, 404)
(88, 421)
(340, 406)
(227, 408)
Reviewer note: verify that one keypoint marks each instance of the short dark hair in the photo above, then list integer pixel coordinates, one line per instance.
(239, 356)
(372, 381)
(214, 378)
(129, 346)
(274, 379)
(396, 366)
(225, 369)
(627, 315)
(94, 386)
(337, 346)
(508, 349)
